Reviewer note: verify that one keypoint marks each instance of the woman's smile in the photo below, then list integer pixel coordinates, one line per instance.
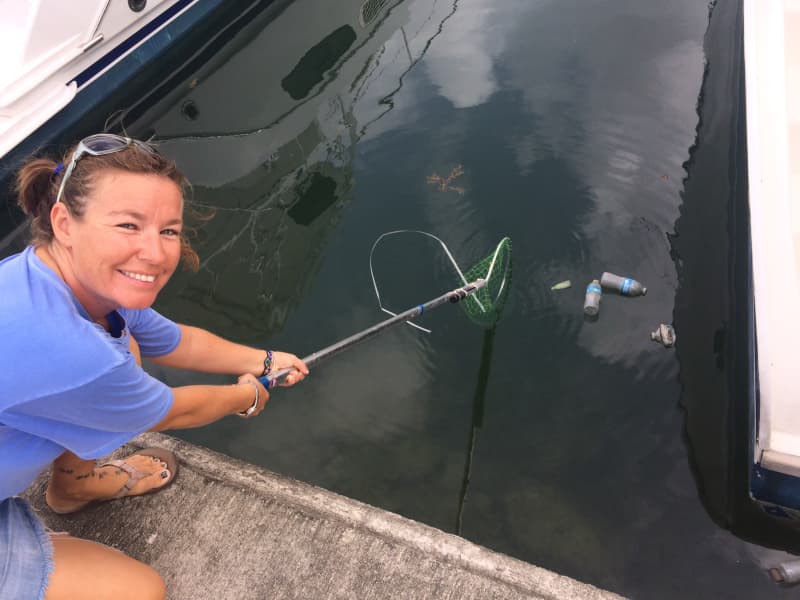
(144, 278)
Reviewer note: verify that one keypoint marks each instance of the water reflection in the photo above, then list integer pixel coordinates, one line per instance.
(273, 153)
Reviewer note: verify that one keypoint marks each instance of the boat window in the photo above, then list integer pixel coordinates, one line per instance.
(312, 66)
(317, 195)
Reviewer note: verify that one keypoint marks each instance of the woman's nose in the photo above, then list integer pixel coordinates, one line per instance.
(152, 247)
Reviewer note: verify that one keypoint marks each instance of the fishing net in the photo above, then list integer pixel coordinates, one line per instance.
(485, 305)
(482, 293)
(491, 276)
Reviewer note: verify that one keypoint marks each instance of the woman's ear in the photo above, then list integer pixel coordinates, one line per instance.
(61, 222)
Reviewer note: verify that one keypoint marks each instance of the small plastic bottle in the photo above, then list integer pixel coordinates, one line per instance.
(665, 334)
(591, 303)
(786, 573)
(624, 285)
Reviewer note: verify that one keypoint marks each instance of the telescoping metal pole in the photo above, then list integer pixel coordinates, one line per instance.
(452, 296)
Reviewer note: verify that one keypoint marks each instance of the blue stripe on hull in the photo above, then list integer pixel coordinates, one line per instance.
(123, 48)
(92, 95)
(777, 493)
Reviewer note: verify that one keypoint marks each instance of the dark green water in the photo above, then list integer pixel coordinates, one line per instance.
(554, 439)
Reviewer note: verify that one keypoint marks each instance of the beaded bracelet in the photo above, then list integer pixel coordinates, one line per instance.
(267, 364)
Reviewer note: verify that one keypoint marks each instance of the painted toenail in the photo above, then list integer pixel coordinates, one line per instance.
(164, 474)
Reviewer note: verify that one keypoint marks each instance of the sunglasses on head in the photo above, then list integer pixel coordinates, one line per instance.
(98, 145)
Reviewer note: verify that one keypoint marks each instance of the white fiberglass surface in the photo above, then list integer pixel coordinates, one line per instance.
(792, 67)
(773, 145)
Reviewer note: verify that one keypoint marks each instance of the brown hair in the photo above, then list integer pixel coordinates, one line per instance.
(37, 186)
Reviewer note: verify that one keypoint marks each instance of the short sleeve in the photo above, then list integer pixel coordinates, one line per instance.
(96, 418)
(155, 334)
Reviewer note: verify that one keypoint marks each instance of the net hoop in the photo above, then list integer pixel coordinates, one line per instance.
(485, 315)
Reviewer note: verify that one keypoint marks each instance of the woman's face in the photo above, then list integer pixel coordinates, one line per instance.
(127, 244)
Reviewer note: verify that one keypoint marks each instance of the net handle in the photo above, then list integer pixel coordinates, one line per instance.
(452, 297)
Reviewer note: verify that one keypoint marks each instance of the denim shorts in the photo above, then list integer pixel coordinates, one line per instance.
(26, 552)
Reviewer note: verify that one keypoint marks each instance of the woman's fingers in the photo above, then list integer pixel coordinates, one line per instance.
(298, 364)
(285, 360)
(294, 376)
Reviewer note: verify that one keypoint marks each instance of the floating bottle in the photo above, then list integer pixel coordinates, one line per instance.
(665, 334)
(591, 303)
(624, 285)
(786, 573)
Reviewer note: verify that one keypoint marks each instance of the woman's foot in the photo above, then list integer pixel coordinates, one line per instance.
(75, 483)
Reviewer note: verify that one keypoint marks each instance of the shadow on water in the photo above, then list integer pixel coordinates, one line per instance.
(478, 402)
(713, 303)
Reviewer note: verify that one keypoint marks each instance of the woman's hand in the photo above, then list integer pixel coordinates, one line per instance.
(260, 395)
(285, 360)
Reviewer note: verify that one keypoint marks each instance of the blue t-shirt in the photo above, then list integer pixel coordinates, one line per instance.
(65, 382)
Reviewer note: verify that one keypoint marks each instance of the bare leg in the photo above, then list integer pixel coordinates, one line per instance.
(85, 570)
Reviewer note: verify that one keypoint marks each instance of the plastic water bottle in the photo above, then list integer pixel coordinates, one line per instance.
(591, 303)
(624, 285)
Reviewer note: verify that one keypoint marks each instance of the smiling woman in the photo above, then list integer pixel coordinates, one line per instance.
(75, 320)
(137, 218)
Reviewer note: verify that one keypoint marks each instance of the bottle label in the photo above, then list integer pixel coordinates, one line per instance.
(593, 288)
(626, 287)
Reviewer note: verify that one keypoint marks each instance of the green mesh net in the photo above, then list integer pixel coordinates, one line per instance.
(484, 306)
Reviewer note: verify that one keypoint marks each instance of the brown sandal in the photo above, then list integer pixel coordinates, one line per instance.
(134, 476)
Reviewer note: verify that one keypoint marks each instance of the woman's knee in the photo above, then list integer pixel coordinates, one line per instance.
(85, 569)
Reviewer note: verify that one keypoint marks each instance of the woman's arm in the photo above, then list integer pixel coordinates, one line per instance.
(201, 350)
(197, 405)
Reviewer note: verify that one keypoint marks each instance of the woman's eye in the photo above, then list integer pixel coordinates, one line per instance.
(129, 226)
(171, 232)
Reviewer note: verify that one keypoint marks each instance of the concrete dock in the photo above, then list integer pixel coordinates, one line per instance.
(226, 529)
